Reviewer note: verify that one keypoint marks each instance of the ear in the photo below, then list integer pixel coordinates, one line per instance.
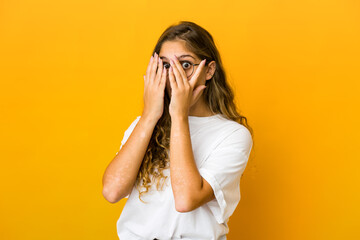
(210, 70)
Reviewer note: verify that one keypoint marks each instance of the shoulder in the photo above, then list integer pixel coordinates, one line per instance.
(132, 125)
(237, 133)
(237, 130)
(134, 122)
(137, 118)
(242, 133)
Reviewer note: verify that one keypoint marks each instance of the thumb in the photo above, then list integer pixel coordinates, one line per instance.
(199, 89)
(197, 92)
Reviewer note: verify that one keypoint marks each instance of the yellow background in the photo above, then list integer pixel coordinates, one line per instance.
(71, 84)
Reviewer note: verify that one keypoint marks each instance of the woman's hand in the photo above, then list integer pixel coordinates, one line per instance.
(154, 88)
(183, 94)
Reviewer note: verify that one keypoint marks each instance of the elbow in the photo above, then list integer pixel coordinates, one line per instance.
(184, 205)
(182, 209)
(110, 196)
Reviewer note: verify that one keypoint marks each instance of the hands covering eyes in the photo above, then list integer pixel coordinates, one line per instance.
(183, 94)
(154, 86)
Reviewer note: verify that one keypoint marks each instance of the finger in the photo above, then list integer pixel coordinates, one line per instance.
(159, 72)
(153, 68)
(180, 68)
(197, 91)
(178, 77)
(198, 71)
(163, 78)
(145, 84)
(149, 67)
(173, 83)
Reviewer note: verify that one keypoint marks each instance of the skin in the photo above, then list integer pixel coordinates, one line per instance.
(168, 51)
(189, 188)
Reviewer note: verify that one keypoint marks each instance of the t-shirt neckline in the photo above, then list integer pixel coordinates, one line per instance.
(196, 118)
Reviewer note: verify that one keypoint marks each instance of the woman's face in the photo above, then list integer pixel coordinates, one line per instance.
(177, 48)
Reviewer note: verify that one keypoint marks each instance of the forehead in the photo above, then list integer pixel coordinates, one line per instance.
(174, 47)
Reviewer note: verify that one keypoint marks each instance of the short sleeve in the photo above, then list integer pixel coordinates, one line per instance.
(127, 135)
(128, 132)
(223, 169)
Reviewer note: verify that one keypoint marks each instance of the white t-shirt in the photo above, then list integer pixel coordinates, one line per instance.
(221, 150)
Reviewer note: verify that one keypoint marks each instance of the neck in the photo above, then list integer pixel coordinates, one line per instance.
(200, 109)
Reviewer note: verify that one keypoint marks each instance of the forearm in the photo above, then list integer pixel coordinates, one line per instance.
(121, 173)
(185, 177)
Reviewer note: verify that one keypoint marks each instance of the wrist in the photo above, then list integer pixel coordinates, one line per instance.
(149, 119)
(179, 118)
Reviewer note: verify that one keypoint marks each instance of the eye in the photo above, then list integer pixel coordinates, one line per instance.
(166, 65)
(186, 65)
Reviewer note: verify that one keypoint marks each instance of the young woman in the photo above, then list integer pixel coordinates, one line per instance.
(188, 149)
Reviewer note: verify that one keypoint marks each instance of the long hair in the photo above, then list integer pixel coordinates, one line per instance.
(218, 95)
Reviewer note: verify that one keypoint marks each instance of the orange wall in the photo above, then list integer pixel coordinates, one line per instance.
(71, 83)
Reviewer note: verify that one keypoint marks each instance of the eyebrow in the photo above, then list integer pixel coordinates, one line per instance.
(182, 56)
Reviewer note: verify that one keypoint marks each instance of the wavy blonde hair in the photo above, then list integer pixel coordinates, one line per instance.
(218, 95)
